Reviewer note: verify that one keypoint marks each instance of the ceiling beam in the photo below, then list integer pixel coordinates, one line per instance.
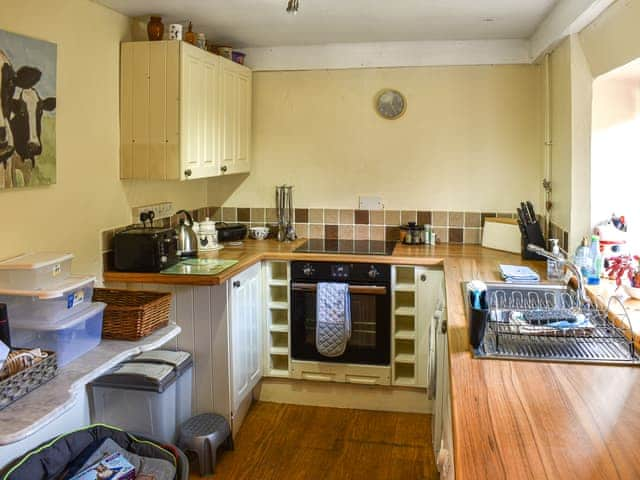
(388, 54)
(566, 18)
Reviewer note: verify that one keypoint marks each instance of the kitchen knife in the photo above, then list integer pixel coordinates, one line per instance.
(525, 213)
(521, 216)
(532, 213)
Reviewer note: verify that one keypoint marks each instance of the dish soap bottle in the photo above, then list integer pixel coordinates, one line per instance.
(555, 269)
(596, 259)
(582, 258)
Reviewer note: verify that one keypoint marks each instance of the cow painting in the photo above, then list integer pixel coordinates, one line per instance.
(26, 127)
(27, 111)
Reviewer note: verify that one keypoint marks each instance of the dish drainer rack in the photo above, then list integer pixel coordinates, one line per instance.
(510, 333)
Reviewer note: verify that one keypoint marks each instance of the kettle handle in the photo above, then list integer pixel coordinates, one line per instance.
(188, 215)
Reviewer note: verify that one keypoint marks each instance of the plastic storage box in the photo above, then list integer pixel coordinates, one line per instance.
(138, 397)
(182, 362)
(34, 271)
(69, 338)
(69, 297)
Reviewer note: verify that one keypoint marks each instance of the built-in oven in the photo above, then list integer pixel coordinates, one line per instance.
(370, 302)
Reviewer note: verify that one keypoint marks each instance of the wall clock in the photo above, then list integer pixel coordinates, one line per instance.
(390, 104)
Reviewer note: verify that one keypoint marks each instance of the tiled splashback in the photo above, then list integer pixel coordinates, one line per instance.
(450, 227)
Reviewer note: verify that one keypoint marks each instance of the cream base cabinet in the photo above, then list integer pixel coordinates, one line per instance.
(235, 120)
(442, 427)
(173, 108)
(415, 295)
(245, 337)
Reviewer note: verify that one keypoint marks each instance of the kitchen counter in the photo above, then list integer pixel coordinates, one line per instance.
(254, 251)
(43, 405)
(511, 419)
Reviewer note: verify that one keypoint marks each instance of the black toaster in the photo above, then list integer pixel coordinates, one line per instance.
(145, 249)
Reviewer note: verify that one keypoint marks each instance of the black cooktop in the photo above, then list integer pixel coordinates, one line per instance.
(353, 247)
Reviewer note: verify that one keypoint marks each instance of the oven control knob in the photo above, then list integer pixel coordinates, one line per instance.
(308, 270)
(373, 273)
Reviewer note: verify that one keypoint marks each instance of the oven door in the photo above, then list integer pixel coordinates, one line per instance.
(370, 341)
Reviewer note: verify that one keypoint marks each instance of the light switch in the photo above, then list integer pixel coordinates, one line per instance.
(371, 203)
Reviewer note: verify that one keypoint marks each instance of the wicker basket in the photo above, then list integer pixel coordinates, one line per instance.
(19, 384)
(132, 314)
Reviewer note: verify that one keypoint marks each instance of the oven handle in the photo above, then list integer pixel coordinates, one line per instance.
(356, 289)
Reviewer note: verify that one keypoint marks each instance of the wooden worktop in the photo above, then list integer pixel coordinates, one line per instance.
(530, 420)
(511, 420)
(253, 251)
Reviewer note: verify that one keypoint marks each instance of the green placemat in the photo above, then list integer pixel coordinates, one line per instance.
(199, 266)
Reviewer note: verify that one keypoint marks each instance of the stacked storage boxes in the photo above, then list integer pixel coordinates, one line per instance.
(48, 307)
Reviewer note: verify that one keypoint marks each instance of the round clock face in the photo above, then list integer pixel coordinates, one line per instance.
(390, 104)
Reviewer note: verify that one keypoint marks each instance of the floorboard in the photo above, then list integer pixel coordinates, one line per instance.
(294, 442)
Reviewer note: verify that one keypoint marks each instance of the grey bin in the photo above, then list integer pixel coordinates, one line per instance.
(139, 398)
(182, 362)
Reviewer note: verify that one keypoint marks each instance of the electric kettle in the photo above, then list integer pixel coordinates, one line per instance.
(187, 238)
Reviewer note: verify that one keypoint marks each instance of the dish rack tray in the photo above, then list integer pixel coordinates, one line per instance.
(522, 324)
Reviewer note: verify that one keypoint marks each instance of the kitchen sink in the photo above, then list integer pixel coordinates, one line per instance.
(545, 322)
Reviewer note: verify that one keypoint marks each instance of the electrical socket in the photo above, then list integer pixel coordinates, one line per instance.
(370, 202)
(161, 210)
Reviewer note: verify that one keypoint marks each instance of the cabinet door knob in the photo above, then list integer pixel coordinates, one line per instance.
(187, 172)
(223, 168)
(236, 284)
(423, 278)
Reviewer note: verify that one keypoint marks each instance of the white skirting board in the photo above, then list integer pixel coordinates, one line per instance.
(342, 395)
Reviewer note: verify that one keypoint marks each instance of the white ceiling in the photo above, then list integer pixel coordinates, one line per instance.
(259, 23)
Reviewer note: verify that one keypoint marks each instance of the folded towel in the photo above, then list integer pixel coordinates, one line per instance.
(333, 318)
(518, 273)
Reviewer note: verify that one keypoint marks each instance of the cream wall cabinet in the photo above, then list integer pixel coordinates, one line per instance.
(236, 118)
(185, 113)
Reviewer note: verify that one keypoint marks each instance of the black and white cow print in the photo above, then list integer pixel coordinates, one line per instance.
(20, 120)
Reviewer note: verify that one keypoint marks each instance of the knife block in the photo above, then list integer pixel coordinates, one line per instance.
(532, 233)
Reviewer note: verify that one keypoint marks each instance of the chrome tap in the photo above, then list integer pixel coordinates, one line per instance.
(582, 294)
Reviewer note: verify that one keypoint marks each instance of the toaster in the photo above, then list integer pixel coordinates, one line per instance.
(145, 249)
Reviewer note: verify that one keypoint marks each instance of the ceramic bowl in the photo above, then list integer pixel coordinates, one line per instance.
(632, 292)
(259, 233)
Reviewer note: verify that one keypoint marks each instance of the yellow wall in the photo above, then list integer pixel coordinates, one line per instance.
(471, 138)
(613, 39)
(560, 80)
(89, 196)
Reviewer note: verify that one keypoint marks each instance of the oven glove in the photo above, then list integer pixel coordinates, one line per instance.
(333, 317)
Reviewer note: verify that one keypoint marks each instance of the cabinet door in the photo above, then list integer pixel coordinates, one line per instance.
(199, 112)
(149, 110)
(229, 123)
(243, 123)
(235, 118)
(245, 330)
(428, 291)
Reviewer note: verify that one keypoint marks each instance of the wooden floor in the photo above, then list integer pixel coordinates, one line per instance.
(286, 442)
